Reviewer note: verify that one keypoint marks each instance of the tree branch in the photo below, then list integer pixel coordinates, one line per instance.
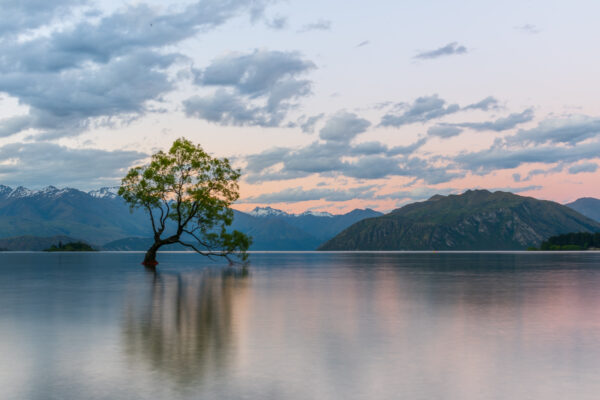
(210, 253)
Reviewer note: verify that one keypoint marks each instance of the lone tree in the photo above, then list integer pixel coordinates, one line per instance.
(187, 194)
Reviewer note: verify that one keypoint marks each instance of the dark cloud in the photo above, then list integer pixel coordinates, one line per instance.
(64, 104)
(226, 108)
(266, 159)
(277, 23)
(372, 167)
(253, 89)
(423, 109)
(37, 164)
(255, 74)
(428, 108)
(568, 130)
(450, 49)
(297, 194)
(316, 158)
(307, 124)
(500, 124)
(368, 148)
(499, 157)
(320, 25)
(343, 127)
(406, 150)
(584, 167)
(369, 160)
(489, 103)
(444, 130)
(108, 67)
(416, 194)
(514, 189)
(541, 171)
(22, 15)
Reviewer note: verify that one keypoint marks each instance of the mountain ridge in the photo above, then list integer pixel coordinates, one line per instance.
(588, 206)
(101, 217)
(474, 220)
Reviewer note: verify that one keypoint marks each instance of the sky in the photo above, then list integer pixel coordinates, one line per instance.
(323, 105)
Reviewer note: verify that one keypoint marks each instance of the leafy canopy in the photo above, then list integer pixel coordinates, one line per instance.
(188, 194)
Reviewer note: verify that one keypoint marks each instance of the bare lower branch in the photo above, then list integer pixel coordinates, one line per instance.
(209, 253)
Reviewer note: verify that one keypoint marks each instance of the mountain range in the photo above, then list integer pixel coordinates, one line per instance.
(35, 219)
(474, 220)
(587, 206)
(103, 219)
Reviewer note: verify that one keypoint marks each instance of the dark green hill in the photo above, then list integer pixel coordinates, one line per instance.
(32, 243)
(70, 246)
(573, 241)
(474, 220)
(588, 206)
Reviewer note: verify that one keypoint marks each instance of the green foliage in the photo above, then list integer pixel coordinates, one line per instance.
(71, 246)
(572, 241)
(187, 195)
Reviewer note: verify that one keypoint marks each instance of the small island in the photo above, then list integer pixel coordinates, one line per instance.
(572, 241)
(72, 246)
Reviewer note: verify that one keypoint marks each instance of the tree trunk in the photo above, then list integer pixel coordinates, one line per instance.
(150, 257)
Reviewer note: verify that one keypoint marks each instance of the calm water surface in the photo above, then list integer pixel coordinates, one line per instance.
(301, 326)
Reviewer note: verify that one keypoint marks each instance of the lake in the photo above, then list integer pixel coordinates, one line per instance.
(301, 326)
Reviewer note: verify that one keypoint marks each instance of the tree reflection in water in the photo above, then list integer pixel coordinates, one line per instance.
(184, 327)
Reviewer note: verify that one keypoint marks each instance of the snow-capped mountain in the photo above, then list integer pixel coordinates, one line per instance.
(21, 192)
(316, 214)
(268, 212)
(100, 216)
(51, 211)
(273, 212)
(54, 192)
(105, 193)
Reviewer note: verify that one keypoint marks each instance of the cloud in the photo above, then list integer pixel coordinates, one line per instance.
(444, 130)
(298, 194)
(428, 108)
(316, 158)
(369, 160)
(498, 157)
(585, 167)
(363, 43)
(39, 164)
(101, 68)
(406, 150)
(257, 88)
(22, 15)
(320, 25)
(368, 148)
(343, 127)
(489, 103)
(540, 171)
(307, 124)
(416, 194)
(450, 49)
(528, 28)
(423, 109)
(65, 104)
(500, 124)
(372, 167)
(277, 23)
(266, 159)
(514, 189)
(570, 131)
